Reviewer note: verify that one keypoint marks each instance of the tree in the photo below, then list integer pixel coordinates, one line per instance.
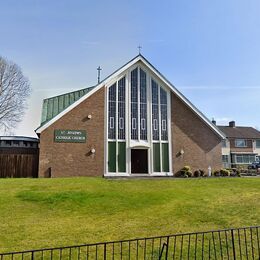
(14, 91)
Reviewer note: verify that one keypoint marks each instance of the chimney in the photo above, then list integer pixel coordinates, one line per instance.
(232, 124)
(214, 121)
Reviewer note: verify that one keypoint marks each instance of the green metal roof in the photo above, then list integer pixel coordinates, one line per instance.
(55, 105)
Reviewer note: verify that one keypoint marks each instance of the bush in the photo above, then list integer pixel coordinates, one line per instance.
(224, 172)
(196, 173)
(185, 172)
(202, 172)
(234, 172)
(186, 168)
(216, 173)
(179, 174)
(189, 173)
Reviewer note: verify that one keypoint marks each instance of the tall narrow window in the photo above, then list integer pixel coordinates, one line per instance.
(121, 108)
(143, 106)
(163, 104)
(112, 112)
(134, 104)
(155, 111)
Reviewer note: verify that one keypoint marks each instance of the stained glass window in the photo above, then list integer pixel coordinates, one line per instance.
(121, 108)
(163, 104)
(155, 111)
(134, 104)
(112, 112)
(143, 106)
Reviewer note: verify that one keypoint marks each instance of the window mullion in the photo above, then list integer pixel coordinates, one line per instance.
(138, 105)
(159, 124)
(116, 127)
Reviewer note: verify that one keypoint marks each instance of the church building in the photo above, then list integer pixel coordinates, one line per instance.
(133, 123)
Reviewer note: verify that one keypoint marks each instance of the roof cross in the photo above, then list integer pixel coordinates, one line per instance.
(139, 48)
(99, 70)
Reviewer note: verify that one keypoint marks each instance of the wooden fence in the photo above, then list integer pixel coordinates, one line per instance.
(19, 163)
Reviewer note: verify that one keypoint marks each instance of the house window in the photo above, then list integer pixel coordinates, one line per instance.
(240, 143)
(225, 161)
(245, 158)
(224, 143)
(225, 158)
(257, 143)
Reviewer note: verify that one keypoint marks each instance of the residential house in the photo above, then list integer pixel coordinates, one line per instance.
(241, 146)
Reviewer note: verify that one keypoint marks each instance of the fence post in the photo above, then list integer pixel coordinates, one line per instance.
(105, 251)
(167, 248)
(233, 244)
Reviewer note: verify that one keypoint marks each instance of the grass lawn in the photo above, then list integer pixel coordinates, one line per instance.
(38, 213)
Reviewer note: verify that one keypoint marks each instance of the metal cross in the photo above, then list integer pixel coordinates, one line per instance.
(99, 69)
(139, 47)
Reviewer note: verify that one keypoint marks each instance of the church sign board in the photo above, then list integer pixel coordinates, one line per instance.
(70, 136)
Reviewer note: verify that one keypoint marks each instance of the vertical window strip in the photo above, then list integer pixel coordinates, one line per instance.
(155, 111)
(112, 112)
(121, 109)
(163, 105)
(143, 106)
(134, 104)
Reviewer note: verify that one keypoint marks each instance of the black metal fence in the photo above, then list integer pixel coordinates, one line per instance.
(239, 243)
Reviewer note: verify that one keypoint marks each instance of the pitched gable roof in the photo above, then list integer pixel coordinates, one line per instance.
(240, 132)
(118, 72)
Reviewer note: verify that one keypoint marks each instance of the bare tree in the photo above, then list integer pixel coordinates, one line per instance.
(14, 90)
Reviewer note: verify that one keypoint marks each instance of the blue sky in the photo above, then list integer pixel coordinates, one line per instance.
(210, 50)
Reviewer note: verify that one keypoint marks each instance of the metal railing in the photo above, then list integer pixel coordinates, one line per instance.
(239, 243)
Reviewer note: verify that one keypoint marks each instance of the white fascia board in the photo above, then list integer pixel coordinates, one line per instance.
(95, 89)
(183, 98)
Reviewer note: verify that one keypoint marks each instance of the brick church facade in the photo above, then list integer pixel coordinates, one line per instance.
(133, 123)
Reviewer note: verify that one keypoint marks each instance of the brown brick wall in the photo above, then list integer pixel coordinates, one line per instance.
(201, 146)
(74, 159)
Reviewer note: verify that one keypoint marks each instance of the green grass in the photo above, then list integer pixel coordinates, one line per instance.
(36, 213)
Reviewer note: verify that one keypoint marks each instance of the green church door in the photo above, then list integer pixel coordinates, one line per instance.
(139, 161)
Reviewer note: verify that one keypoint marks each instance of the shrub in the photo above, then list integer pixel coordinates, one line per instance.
(185, 172)
(224, 172)
(196, 173)
(186, 168)
(181, 173)
(189, 173)
(178, 174)
(234, 172)
(216, 173)
(202, 172)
